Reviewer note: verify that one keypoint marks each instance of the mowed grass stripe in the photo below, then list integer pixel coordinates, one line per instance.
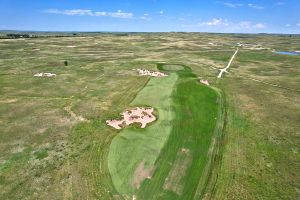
(133, 145)
(196, 109)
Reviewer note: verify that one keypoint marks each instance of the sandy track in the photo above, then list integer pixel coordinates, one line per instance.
(228, 65)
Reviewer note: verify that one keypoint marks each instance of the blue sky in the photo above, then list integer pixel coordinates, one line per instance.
(251, 16)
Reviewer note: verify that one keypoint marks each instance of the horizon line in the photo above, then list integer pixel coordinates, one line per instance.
(269, 33)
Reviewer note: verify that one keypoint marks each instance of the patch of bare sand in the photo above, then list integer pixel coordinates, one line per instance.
(205, 82)
(77, 118)
(174, 180)
(145, 72)
(8, 100)
(141, 173)
(136, 115)
(44, 74)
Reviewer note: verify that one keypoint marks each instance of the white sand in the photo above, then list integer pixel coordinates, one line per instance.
(145, 72)
(44, 74)
(137, 115)
(205, 82)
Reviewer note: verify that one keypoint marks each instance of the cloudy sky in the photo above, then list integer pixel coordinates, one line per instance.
(239, 16)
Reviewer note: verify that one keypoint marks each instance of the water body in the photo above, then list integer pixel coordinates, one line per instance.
(288, 53)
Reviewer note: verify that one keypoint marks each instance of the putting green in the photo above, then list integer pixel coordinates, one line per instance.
(173, 67)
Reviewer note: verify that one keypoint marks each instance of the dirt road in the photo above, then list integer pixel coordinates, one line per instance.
(228, 65)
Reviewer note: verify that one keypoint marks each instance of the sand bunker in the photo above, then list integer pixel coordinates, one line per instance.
(137, 115)
(44, 74)
(205, 82)
(145, 72)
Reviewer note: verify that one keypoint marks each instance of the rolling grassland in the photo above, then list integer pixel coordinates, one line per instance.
(235, 139)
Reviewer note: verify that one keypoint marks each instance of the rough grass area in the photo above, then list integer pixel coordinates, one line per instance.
(133, 146)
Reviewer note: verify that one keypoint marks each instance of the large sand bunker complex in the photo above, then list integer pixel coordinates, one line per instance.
(145, 72)
(136, 115)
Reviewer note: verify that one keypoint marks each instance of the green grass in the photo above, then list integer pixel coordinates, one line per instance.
(255, 156)
(173, 67)
(196, 108)
(43, 153)
(189, 124)
(133, 145)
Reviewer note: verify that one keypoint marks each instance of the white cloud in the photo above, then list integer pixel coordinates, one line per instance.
(79, 12)
(249, 25)
(224, 25)
(259, 26)
(161, 12)
(82, 12)
(255, 6)
(99, 14)
(231, 5)
(146, 17)
(288, 25)
(215, 22)
(120, 14)
(245, 24)
(279, 3)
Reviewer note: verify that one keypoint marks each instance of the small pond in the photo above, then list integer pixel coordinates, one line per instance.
(290, 53)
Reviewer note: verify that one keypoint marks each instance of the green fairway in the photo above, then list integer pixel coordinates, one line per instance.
(181, 164)
(175, 147)
(173, 67)
(133, 146)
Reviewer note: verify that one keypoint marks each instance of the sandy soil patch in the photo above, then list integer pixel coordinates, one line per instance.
(205, 82)
(44, 74)
(141, 173)
(77, 118)
(174, 180)
(136, 115)
(213, 44)
(8, 100)
(145, 72)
